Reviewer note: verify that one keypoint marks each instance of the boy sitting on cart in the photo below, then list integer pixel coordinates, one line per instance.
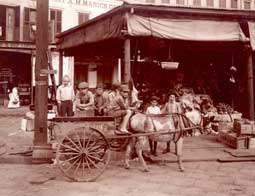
(119, 108)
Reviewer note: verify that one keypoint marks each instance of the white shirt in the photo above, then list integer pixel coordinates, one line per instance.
(153, 110)
(65, 93)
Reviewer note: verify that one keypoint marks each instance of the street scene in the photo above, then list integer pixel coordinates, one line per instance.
(132, 98)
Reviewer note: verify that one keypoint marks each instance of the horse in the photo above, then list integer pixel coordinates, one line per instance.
(172, 125)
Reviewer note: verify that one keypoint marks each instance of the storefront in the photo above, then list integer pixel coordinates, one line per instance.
(205, 43)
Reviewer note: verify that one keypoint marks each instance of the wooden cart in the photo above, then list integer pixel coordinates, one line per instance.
(85, 144)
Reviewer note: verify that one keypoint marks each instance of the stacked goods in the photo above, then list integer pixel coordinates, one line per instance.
(245, 128)
(226, 116)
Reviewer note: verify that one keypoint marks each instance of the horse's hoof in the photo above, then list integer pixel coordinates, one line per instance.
(182, 169)
(127, 167)
(145, 170)
(166, 151)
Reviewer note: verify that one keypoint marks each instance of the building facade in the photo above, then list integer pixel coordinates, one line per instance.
(17, 38)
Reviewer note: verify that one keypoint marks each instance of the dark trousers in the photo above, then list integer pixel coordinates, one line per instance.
(66, 108)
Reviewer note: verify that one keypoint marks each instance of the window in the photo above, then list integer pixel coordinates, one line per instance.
(209, 3)
(247, 4)
(197, 2)
(233, 3)
(180, 2)
(83, 17)
(56, 16)
(150, 1)
(165, 1)
(222, 3)
(29, 21)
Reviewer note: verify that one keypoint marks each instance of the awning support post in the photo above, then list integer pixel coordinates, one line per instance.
(60, 67)
(127, 64)
(250, 88)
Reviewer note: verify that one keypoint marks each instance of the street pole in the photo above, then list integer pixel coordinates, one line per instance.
(42, 152)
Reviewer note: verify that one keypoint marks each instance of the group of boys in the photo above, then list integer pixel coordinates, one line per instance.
(114, 102)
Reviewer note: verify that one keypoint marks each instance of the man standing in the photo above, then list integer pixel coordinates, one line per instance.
(65, 97)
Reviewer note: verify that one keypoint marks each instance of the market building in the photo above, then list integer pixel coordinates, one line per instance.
(17, 39)
(145, 42)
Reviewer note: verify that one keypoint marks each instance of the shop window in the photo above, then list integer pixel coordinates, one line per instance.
(56, 17)
(180, 2)
(165, 1)
(247, 4)
(83, 17)
(29, 24)
(233, 3)
(150, 1)
(222, 3)
(210, 3)
(197, 2)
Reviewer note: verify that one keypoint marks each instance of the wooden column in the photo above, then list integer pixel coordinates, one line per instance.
(250, 88)
(60, 68)
(127, 58)
(42, 152)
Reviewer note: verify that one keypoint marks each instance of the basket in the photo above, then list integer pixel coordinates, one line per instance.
(169, 65)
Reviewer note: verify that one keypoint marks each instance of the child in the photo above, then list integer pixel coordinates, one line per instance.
(101, 100)
(65, 97)
(171, 107)
(153, 109)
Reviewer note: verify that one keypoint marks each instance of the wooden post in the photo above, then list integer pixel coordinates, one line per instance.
(42, 152)
(250, 88)
(127, 64)
(60, 67)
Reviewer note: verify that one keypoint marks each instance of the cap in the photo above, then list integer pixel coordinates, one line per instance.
(100, 86)
(115, 86)
(124, 87)
(83, 85)
(154, 98)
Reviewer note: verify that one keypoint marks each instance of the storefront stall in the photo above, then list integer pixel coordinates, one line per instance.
(204, 43)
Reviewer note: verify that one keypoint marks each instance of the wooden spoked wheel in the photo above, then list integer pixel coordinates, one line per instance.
(83, 154)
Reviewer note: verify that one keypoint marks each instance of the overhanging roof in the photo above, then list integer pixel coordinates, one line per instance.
(111, 24)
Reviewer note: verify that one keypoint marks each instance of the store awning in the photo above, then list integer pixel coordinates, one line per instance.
(185, 29)
(159, 21)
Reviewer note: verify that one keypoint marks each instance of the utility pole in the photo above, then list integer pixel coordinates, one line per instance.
(42, 152)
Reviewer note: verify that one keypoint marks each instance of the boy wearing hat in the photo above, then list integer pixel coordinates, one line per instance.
(118, 107)
(101, 100)
(84, 104)
(65, 97)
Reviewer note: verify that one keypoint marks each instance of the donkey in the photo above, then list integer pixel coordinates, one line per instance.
(142, 123)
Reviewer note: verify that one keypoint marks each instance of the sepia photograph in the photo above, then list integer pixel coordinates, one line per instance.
(127, 97)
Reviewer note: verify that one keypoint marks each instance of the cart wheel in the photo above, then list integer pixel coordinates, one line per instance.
(83, 154)
(118, 144)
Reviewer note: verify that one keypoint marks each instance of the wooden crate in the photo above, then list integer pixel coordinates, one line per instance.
(233, 141)
(251, 143)
(244, 127)
(225, 127)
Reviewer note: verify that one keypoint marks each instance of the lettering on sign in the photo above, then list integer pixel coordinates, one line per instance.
(88, 3)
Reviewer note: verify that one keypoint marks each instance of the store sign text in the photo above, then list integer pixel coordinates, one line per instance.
(92, 4)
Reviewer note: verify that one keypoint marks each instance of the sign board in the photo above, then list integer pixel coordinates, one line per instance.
(47, 71)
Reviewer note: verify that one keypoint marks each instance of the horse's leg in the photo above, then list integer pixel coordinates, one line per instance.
(167, 150)
(139, 151)
(151, 146)
(128, 153)
(155, 148)
(179, 145)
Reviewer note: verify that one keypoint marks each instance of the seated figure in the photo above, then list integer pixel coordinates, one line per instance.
(84, 103)
(14, 99)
